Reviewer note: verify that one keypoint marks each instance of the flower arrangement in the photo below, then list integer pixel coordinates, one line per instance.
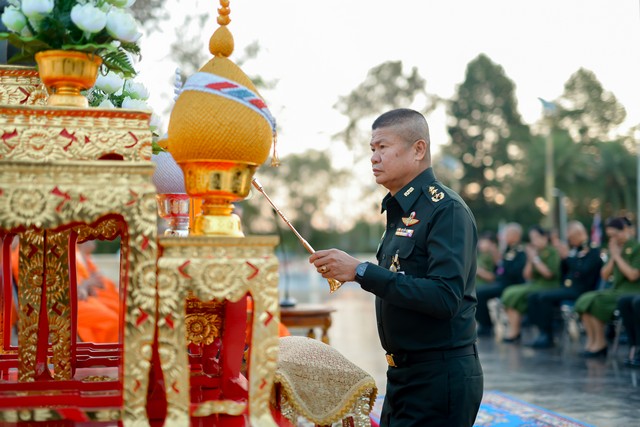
(114, 91)
(102, 27)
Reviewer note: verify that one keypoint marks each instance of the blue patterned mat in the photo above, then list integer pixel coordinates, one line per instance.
(501, 410)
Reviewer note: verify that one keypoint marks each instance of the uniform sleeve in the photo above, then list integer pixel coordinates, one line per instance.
(451, 246)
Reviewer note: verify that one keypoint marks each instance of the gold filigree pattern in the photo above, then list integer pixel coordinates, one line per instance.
(59, 302)
(51, 414)
(71, 193)
(31, 261)
(49, 134)
(21, 86)
(218, 268)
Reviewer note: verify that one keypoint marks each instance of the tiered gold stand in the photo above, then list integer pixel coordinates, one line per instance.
(69, 175)
(220, 269)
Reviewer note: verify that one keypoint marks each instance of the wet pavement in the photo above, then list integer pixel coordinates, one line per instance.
(601, 392)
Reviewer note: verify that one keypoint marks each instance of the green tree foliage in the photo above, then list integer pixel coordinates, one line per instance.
(489, 138)
(150, 13)
(385, 87)
(586, 110)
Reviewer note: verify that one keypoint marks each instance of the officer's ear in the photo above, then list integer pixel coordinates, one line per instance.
(421, 149)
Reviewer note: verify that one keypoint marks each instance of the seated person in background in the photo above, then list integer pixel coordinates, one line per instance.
(542, 269)
(508, 272)
(97, 322)
(488, 258)
(597, 307)
(580, 273)
(629, 307)
(98, 300)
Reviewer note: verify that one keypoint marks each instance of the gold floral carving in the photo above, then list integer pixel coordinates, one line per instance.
(220, 407)
(21, 86)
(218, 268)
(52, 197)
(49, 134)
(203, 320)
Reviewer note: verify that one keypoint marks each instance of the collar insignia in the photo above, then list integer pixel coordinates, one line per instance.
(435, 195)
(409, 191)
(411, 219)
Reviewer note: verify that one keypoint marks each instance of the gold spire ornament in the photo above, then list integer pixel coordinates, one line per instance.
(220, 132)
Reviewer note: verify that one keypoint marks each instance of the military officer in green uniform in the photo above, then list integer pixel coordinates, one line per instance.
(580, 267)
(542, 269)
(597, 307)
(508, 273)
(424, 282)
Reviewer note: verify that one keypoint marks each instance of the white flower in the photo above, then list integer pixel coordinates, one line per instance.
(106, 104)
(37, 8)
(109, 83)
(13, 19)
(135, 104)
(137, 90)
(122, 26)
(88, 18)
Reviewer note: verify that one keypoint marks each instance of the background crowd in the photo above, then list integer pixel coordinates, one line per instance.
(527, 283)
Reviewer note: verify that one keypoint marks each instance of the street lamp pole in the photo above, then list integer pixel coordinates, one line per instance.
(549, 109)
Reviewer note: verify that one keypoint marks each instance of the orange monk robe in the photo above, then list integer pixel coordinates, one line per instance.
(96, 321)
(108, 294)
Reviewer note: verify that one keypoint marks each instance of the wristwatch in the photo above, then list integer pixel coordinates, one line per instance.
(360, 269)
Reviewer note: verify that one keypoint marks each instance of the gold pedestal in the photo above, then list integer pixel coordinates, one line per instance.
(218, 269)
(219, 183)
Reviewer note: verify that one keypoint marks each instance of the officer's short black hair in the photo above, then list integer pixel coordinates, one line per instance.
(415, 128)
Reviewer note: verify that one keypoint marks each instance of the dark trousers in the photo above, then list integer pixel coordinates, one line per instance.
(437, 393)
(629, 307)
(541, 306)
(484, 294)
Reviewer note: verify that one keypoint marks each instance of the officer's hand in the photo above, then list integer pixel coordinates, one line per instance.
(335, 264)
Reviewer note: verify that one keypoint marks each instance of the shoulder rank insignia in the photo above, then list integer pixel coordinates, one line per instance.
(410, 220)
(436, 195)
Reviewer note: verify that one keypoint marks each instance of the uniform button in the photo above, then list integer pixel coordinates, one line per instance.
(384, 256)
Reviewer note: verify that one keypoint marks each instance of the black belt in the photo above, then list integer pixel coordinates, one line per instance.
(399, 360)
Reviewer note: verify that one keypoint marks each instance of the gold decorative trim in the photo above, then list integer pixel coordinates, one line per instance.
(21, 85)
(211, 407)
(53, 197)
(218, 268)
(52, 133)
(364, 393)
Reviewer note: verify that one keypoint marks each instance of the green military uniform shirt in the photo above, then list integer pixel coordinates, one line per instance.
(430, 241)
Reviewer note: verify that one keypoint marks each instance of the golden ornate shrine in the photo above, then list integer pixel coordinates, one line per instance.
(190, 350)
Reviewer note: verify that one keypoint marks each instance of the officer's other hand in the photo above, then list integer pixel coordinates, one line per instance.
(335, 264)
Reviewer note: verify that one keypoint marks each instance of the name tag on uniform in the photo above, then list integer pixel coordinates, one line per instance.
(404, 232)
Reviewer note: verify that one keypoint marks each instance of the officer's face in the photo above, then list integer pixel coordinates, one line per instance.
(393, 159)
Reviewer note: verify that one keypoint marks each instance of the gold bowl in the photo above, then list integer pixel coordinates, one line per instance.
(218, 183)
(65, 73)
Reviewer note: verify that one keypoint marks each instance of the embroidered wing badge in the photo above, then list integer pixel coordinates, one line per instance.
(410, 220)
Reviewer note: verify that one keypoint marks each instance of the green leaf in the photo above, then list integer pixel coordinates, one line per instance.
(119, 61)
(156, 148)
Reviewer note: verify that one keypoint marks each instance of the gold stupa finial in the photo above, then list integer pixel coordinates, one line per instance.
(221, 42)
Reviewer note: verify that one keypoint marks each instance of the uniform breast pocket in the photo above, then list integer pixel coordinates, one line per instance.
(402, 257)
(405, 248)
